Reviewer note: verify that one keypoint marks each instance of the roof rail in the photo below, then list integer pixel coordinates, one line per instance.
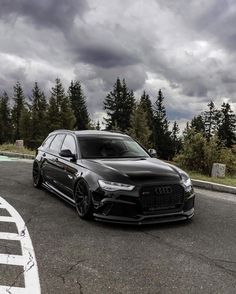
(64, 130)
(114, 131)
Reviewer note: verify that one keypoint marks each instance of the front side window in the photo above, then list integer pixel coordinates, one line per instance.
(56, 143)
(69, 143)
(110, 147)
(47, 142)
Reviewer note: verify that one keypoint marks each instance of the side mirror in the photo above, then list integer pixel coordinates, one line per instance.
(152, 152)
(67, 154)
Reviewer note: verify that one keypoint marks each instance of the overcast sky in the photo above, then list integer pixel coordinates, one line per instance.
(186, 48)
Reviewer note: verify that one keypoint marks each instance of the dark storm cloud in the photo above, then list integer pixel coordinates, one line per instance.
(106, 57)
(187, 48)
(44, 13)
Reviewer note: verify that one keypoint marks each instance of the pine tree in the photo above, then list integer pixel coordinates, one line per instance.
(39, 128)
(146, 104)
(227, 126)
(5, 120)
(176, 141)
(18, 108)
(67, 115)
(161, 133)
(187, 129)
(78, 104)
(119, 104)
(25, 126)
(60, 114)
(210, 119)
(139, 129)
(197, 123)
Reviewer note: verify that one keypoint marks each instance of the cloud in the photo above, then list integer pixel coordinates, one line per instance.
(44, 13)
(185, 48)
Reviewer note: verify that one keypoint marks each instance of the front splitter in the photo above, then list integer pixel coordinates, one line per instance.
(146, 219)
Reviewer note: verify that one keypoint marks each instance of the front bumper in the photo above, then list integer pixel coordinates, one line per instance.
(128, 212)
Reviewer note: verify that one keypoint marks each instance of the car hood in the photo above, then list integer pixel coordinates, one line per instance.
(136, 169)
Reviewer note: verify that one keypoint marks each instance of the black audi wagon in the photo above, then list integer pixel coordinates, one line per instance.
(112, 178)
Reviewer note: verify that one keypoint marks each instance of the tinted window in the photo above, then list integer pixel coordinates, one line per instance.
(47, 142)
(56, 143)
(110, 147)
(69, 143)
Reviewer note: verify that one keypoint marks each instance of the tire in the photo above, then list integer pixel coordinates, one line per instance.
(37, 178)
(83, 200)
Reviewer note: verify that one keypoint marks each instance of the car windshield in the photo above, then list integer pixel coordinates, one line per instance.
(110, 147)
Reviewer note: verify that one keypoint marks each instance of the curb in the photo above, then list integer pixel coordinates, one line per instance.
(214, 186)
(16, 155)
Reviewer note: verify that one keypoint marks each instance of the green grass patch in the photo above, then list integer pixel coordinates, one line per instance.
(230, 181)
(13, 148)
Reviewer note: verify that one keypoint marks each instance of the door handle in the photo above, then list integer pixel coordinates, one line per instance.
(44, 154)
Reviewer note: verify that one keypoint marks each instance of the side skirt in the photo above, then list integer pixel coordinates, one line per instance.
(58, 193)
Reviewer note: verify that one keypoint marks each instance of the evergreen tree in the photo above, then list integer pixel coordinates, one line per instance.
(19, 106)
(197, 124)
(39, 128)
(187, 129)
(67, 115)
(146, 104)
(78, 104)
(25, 126)
(5, 120)
(60, 114)
(210, 119)
(162, 135)
(139, 129)
(119, 104)
(176, 141)
(227, 126)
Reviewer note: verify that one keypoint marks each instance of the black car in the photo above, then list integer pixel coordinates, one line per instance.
(112, 178)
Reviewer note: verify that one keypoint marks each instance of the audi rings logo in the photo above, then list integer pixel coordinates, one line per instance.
(162, 190)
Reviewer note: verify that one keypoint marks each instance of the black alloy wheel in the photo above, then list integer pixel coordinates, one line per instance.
(37, 178)
(83, 201)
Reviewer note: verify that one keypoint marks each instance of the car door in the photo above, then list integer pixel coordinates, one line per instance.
(51, 166)
(70, 167)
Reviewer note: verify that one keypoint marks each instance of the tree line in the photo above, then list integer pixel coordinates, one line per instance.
(33, 118)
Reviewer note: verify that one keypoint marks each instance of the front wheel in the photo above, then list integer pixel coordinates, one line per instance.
(37, 178)
(83, 200)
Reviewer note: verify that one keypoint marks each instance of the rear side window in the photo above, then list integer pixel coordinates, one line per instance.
(47, 142)
(56, 143)
(69, 143)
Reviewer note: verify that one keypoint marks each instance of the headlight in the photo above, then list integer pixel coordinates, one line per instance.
(113, 186)
(186, 181)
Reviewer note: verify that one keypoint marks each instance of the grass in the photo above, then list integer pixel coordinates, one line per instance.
(13, 148)
(228, 180)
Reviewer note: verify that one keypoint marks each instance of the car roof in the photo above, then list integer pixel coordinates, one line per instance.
(90, 133)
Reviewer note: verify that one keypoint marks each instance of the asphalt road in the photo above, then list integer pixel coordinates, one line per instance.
(75, 256)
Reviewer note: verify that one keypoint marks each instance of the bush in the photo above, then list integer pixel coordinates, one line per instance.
(199, 154)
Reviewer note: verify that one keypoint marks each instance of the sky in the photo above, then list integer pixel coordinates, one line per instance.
(186, 48)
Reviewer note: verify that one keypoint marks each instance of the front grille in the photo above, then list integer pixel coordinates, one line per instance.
(161, 197)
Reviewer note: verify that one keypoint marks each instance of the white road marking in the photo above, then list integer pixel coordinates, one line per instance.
(27, 259)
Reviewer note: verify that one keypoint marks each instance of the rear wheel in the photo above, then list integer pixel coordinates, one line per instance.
(83, 200)
(37, 178)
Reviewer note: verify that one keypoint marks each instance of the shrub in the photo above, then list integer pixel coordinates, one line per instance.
(199, 154)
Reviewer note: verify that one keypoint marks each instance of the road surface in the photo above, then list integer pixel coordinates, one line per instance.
(76, 256)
